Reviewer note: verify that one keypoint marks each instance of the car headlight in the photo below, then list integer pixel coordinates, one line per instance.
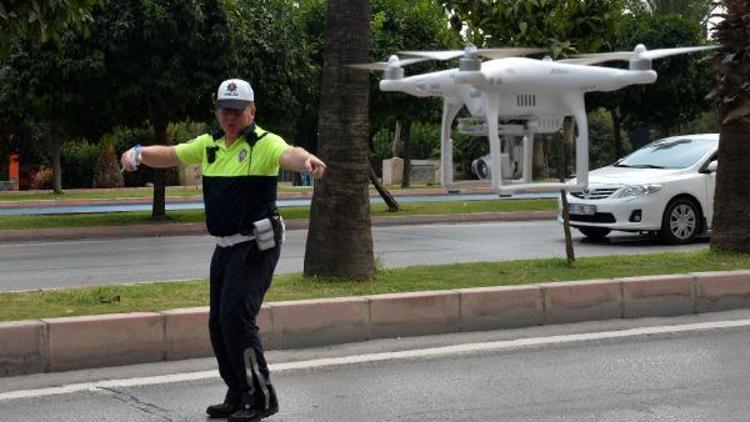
(637, 190)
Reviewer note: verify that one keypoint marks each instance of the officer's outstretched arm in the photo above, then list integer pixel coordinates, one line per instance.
(299, 160)
(155, 156)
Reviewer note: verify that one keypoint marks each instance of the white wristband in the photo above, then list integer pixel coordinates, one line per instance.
(135, 157)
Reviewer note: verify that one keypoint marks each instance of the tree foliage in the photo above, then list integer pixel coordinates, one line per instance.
(678, 95)
(40, 20)
(697, 11)
(166, 58)
(564, 26)
(49, 88)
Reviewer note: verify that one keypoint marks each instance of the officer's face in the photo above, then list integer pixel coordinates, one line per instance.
(232, 121)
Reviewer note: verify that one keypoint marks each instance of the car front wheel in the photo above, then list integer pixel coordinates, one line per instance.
(595, 233)
(681, 221)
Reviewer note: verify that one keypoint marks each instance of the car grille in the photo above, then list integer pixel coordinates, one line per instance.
(595, 194)
(600, 217)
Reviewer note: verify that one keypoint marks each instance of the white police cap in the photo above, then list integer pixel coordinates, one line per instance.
(234, 93)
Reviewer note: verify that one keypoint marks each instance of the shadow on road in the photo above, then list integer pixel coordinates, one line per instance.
(630, 241)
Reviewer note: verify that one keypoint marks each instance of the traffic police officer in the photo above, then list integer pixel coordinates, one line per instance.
(240, 166)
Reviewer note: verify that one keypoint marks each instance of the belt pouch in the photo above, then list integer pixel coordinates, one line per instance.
(265, 236)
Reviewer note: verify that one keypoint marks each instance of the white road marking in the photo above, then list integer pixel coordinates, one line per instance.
(434, 352)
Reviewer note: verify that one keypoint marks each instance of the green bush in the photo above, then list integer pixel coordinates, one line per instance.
(78, 160)
(708, 122)
(185, 131)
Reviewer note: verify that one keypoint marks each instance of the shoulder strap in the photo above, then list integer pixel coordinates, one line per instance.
(256, 139)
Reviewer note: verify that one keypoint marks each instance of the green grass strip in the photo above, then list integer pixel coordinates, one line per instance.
(171, 295)
(195, 216)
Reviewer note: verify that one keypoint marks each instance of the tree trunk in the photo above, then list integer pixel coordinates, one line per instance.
(566, 139)
(389, 200)
(540, 168)
(56, 145)
(159, 116)
(617, 127)
(406, 142)
(397, 139)
(339, 242)
(731, 224)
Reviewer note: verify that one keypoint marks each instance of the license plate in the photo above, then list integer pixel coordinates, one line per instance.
(580, 209)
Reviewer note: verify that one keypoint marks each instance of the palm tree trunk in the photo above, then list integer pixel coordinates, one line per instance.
(339, 242)
(731, 224)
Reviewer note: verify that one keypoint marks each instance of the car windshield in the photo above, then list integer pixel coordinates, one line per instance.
(669, 153)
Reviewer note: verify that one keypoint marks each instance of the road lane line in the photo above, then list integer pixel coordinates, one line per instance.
(433, 352)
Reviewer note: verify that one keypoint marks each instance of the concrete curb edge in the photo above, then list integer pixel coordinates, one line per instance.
(58, 344)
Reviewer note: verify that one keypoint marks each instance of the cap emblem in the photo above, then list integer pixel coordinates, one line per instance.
(231, 90)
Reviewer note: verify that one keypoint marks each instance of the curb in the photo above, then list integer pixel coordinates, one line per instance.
(185, 229)
(58, 344)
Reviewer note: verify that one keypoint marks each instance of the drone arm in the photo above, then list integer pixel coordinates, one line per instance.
(450, 110)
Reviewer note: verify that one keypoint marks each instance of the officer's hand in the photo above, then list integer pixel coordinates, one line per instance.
(315, 166)
(129, 160)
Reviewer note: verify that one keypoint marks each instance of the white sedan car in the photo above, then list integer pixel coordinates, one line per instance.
(665, 188)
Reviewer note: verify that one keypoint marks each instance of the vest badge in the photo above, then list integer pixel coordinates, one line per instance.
(243, 155)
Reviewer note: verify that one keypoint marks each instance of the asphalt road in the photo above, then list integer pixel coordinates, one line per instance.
(35, 265)
(676, 369)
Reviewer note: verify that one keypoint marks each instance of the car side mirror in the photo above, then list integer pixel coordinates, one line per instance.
(712, 166)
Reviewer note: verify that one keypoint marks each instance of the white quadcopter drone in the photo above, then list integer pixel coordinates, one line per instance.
(514, 95)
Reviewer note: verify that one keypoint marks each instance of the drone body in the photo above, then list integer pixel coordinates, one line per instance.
(511, 95)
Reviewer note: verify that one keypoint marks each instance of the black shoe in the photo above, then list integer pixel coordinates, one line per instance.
(232, 403)
(223, 410)
(256, 410)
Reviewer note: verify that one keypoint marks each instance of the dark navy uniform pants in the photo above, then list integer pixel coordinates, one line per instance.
(240, 276)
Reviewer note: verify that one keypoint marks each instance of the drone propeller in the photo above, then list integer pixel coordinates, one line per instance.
(473, 52)
(639, 54)
(393, 63)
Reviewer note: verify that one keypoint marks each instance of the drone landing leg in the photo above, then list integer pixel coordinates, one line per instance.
(450, 111)
(528, 156)
(496, 170)
(577, 106)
